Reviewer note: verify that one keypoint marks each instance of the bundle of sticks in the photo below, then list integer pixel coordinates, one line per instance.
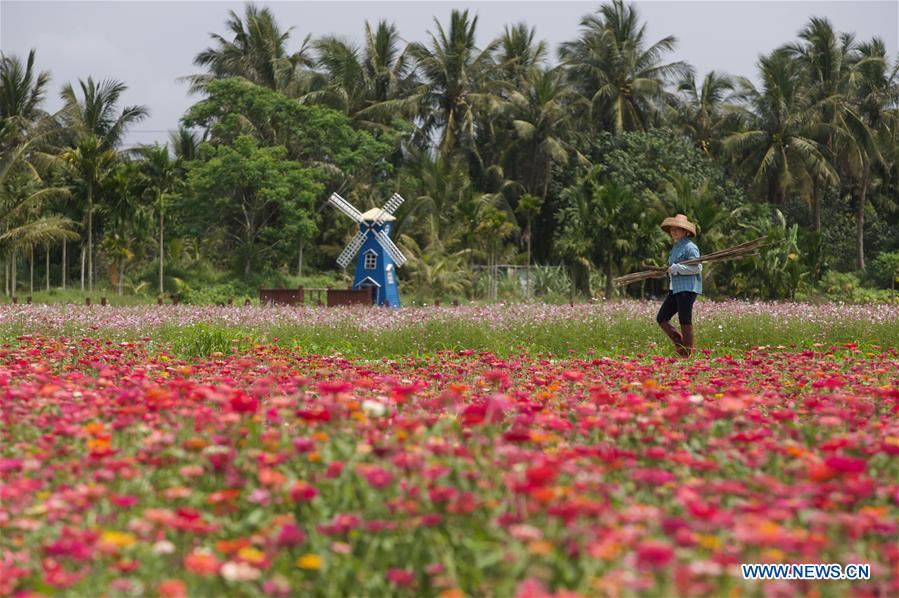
(747, 249)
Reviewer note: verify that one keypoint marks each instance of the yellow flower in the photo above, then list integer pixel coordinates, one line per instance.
(540, 547)
(251, 555)
(310, 561)
(708, 541)
(118, 539)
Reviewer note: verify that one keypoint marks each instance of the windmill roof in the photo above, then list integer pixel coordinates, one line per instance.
(373, 214)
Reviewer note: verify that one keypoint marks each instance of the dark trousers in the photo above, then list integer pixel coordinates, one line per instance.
(677, 303)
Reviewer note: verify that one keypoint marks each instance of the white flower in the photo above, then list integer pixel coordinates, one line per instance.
(163, 547)
(239, 572)
(695, 399)
(373, 408)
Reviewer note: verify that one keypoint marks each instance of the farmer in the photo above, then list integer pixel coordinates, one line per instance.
(685, 282)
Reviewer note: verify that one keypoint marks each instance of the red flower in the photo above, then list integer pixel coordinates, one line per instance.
(243, 403)
(321, 414)
(172, 588)
(846, 465)
(302, 491)
(654, 554)
(376, 476)
(400, 577)
(573, 375)
(290, 535)
(303, 445)
(541, 475)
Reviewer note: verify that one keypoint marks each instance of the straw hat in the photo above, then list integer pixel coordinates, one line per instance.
(679, 221)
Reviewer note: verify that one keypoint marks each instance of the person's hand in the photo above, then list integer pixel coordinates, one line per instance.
(674, 269)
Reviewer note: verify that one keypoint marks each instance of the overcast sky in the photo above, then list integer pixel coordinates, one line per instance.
(149, 45)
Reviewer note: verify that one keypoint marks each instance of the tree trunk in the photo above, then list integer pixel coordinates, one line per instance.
(47, 267)
(527, 280)
(121, 276)
(90, 238)
(816, 207)
(161, 250)
(14, 281)
(490, 274)
(573, 277)
(82, 267)
(860, 220)
(300, 260)
(608, 279)
(31, 270)
(65, 266)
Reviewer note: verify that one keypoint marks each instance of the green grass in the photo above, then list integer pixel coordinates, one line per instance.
(76, 296)
(562, 338)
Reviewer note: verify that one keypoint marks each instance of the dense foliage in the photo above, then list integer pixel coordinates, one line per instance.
(527, 170)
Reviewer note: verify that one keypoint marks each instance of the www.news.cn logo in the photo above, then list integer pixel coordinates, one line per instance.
(806, 571)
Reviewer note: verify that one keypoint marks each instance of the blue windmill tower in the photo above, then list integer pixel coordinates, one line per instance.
(378, 256)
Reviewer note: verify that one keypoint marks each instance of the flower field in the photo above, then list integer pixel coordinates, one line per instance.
(267, 470)
(626, 327)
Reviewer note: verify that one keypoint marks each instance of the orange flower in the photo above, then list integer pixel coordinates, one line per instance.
(201, 562)
(540, 547)
(271, 477)
(93, 428)
(222, 496)
(231, 546)
(172, 588)
(195, 443)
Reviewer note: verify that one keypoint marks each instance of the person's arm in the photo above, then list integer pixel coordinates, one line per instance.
(685, 269)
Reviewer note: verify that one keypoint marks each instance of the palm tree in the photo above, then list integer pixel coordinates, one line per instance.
(454, 72)
(367, 84)
(874, 90)
(519, 52)
(826, 61)
(614, 68)
(97, 128)
(185, 144)
(21, 95)
(544, 120)
(592, 220)
(257, 52)
(160, 175)
(436, 271)
(436, 187)
(777, 145)
(24, 195)
(702, 112)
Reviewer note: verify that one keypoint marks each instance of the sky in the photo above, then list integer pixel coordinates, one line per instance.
(150, 45)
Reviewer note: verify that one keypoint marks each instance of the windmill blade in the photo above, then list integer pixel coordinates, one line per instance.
(345, 207)
(392, 250)
(350, 250)
(390, 207)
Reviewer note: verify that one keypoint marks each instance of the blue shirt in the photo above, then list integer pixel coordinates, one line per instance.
(685, 249)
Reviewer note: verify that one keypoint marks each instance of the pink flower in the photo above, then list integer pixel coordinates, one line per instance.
(654, 554)
(376, 477)
(845, 464)
(243, 403)
(400, 577)
(302, 491)
(290, 535)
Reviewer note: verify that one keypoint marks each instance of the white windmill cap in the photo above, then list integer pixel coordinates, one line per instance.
(375, 213)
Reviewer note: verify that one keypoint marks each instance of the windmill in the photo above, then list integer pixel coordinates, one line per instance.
(378, 256)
